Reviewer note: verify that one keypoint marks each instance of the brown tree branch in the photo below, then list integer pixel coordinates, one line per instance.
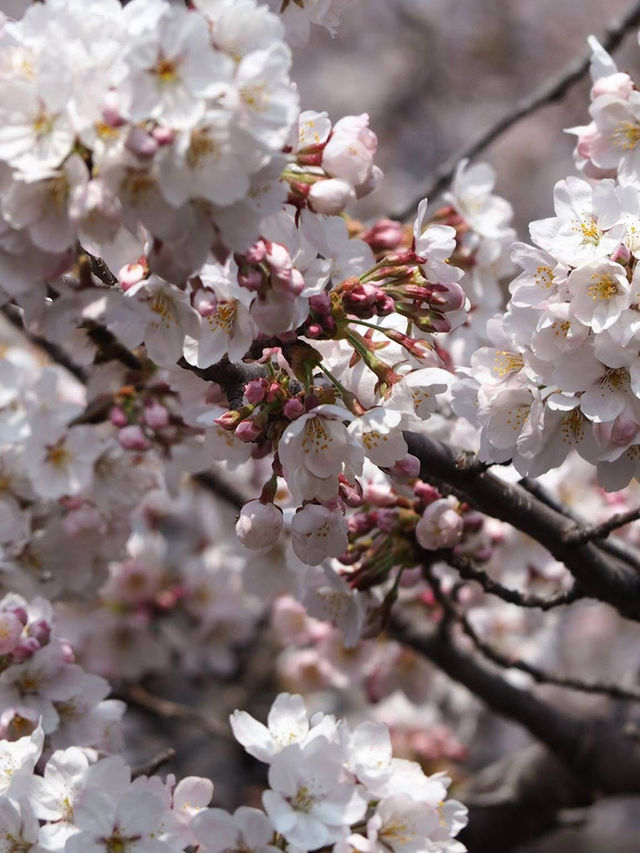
(613, 691)
(137, 697)
(595, 750)
(599, 575)
(468, 571)
(549, 92)
(602, 530)
(154, 764)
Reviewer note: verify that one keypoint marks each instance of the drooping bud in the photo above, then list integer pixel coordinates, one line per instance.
(259, 525)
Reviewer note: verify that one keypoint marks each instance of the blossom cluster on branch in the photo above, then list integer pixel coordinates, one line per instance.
(328, 785)
(211, 373)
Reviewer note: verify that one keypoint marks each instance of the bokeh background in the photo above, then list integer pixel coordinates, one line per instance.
(432, 74)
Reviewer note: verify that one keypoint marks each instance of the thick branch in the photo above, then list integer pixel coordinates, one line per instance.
(550, 91)
(606, 760)
(599, 575)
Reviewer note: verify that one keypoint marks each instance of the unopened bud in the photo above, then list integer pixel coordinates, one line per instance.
(255, 391)
(132, 438)
(259, 525)
(205, 302)
(41, 630)
(293, 409)
(332, 196)
(156, 415)
(248, 430)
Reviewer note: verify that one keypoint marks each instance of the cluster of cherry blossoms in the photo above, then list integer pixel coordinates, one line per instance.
(563, 371)
(328, 785)
(42, 687)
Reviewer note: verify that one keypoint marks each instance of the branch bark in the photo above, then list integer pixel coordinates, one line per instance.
(600, 575)
(595, 750)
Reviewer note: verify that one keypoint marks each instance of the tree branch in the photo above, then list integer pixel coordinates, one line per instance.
(468, 571)
(550, 91)
(599, 575)
(595, 750)
(613, 691)
(601, 531)
(137, 697)
(150, 767)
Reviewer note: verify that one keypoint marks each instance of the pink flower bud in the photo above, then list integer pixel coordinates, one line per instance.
(205, 302)
(427, 494)
(25, 649)
(351, 493)
(41, 630)
(118, 416)
(248, 430)
(362, 296)
(350, 150)
(293, 409)
(110, 110)
(279, 261)
(405, 469)
(320, 303)
(132, 438)
(621, 255)
(20, 613)
(379, 495)
(257, 253)
(332, 196)
(259, 525)
(385, 305)
(384, 235)
(255, 391)
(360, 523)
(163, 135)
(314, 330)
(228, 420)
(131, 274)
(156, 415)
(387, 520)
(141, 143)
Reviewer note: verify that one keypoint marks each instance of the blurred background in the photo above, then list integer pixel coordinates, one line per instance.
(432, 74)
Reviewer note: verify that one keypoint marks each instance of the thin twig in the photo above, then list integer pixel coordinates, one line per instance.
(508, 662)
(550, 91)
(613, 691)
(616, 546)
(138, 697)
(469, 571)
(13, 314)
(602, 530)
(154, 764)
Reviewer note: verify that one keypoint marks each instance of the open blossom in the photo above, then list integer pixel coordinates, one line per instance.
(310, 798)
(318, 532)
(317, 447)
